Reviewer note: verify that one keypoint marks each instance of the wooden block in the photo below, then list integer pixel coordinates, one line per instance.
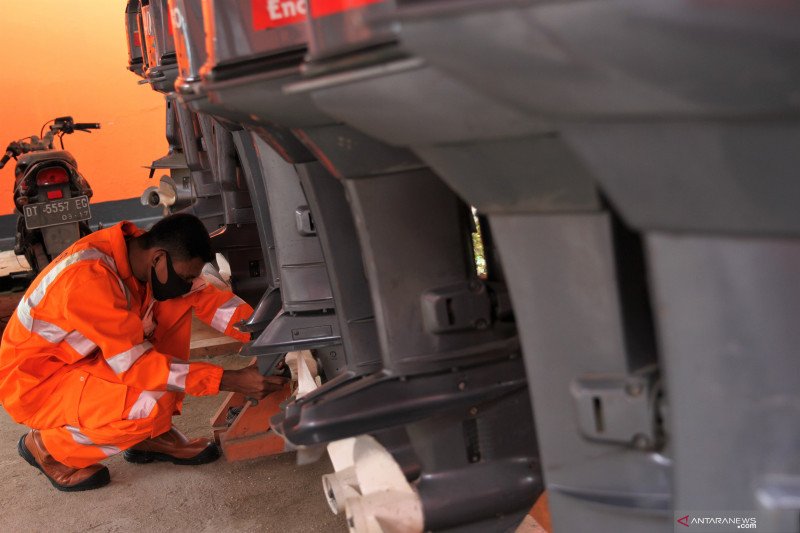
(208, 342)
(213, 347)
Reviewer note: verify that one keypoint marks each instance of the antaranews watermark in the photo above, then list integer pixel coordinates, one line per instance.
(703, 521)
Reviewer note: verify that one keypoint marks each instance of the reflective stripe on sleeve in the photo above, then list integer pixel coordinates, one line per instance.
(176, 381)
(224, 314)
(80, 344)
(123, 361)
(144, 404)
(54, 334)
(49, 332)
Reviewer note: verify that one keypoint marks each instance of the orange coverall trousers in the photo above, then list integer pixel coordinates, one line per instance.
(89, 419)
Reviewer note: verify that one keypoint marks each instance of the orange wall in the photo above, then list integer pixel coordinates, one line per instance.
(68, 58)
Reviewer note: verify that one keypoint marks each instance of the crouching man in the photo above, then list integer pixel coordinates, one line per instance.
(96, 357)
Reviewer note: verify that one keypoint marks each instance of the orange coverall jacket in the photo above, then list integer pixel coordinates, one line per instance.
(91, 357)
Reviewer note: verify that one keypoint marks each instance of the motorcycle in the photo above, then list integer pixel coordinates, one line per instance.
(50, 195)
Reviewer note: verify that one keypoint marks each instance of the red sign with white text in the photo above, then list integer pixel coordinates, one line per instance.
(323, 8)
(268, 14)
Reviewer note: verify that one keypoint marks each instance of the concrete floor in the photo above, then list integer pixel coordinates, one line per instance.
(261, 495)
(269, 494)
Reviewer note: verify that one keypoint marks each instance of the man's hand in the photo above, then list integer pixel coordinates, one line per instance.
(250, 382)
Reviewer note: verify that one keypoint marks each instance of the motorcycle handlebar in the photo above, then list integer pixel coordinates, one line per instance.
(60, 125)
(12, 150)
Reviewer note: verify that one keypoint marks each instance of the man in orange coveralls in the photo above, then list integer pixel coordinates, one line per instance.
(96, 358)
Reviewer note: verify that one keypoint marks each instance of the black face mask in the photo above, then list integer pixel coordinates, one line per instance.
(174, 287)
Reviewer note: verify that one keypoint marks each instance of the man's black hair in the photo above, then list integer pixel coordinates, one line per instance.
(182, 235)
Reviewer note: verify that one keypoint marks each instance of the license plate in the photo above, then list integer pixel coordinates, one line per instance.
(57, 212)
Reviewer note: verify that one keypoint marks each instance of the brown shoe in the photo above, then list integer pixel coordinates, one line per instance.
(63, 477)
(174, 447)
